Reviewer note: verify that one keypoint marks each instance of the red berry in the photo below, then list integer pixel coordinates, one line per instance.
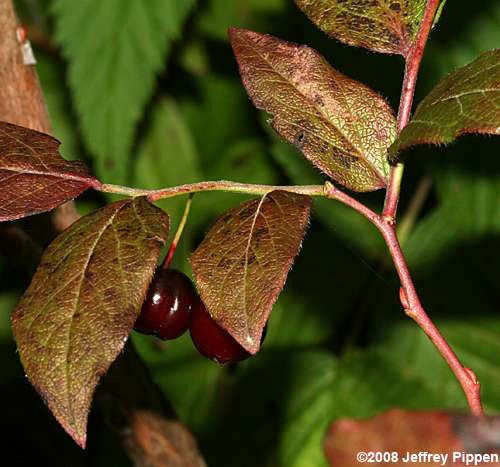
(211, 340)
(166, 310)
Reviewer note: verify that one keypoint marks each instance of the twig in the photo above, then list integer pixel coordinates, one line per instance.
(411, 302)
(413, 308)
(178, 234)
(386, 225)
(412, 67)
(220, 185)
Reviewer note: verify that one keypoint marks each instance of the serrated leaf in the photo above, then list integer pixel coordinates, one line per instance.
(76, 315)
(381, 26)
(241, 265)
(51, 74)
(466, 101)
(113, 59)
(34, 177)
(343, 127)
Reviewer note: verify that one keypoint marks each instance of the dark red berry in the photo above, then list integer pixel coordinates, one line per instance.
(167, 308)
(211, 340)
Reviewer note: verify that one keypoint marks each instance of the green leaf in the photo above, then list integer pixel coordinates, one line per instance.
(242, 13)
(212, 116)
(372, 381)
(113, 60)
(361, 385)
(343, 127)
(34, 177)
(82, 303)
(476, 343)
(309, 410)
(7, 303)
(381, 26)
(57, 98)
(466, 101)
(478, 36)
(242, 264)
(469, 210)
(295, 323)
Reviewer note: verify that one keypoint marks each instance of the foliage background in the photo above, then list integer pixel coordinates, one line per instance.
(148, 94)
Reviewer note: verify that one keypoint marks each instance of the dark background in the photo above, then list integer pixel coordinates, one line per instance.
(338, 343)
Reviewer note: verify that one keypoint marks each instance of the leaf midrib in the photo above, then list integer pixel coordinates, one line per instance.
(358, 154)
(77, 301)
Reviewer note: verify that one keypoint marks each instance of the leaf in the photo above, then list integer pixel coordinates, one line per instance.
(376, 380)
(212, 115)
(57, 98)
(343, 127)
(469, 210)
(475, 340)
(466, 101)
(241, 265)
(360, 385)
(479, 34)
(433, 437)
(113, 60)
(214, 19)
(309, 409)
(381, 26)
(34, 177)
(76, 315)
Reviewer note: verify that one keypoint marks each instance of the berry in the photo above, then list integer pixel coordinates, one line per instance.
(211, 340)
(166, 310)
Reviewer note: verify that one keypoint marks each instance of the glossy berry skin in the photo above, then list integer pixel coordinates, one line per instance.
(211, 340)
(167, 308)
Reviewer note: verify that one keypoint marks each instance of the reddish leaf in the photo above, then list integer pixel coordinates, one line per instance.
(401, 434)
(82, 303)
(343, 127)
(34, 177)
(242, 264)
(378, 25)
(466, 101)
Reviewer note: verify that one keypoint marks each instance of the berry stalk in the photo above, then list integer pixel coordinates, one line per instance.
(178, 234)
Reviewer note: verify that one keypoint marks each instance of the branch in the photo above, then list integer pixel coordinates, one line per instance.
(221, 185)
(411, 302)
(413, 308)
(412, 67)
